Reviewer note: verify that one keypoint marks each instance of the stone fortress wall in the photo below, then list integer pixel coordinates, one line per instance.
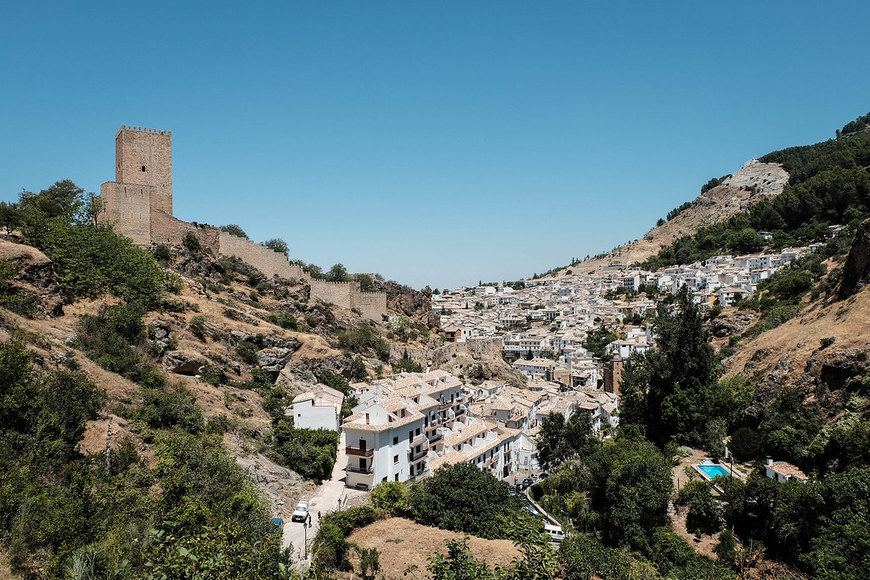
(139, 205)
(269, 262)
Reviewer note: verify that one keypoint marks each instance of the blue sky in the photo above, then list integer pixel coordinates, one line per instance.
(437, 143)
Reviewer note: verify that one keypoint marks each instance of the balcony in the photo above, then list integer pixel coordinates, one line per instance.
(418, 439)
(357, 469)
(415, 457)
(357, 452)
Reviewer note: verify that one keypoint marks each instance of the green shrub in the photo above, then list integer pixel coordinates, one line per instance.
(407, 364)
(167, 409)
(282, 319)
(161, 253)
(23, 304)
(213, 375)
(390, 496)
(191, 242)
(308, 452)
(198, 327)
(247, 351)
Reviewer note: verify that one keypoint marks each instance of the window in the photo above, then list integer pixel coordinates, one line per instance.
(410, 435)
(417, 431)
(396, 440)
(143, 169)
(397, 477)
(395, 458)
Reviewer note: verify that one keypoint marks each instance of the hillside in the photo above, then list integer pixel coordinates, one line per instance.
(753, 183)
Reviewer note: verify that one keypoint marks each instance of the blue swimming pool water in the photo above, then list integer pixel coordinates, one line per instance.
(712, 471)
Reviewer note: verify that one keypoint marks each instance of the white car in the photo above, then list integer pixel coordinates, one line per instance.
(301, 512)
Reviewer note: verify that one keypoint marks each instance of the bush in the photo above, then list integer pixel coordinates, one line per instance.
(94, 260)
(390, 496)
(247, 351)
(309, 452)
(277, 245)
(113, 339)
(462, 498)
(198, 327)
(235, 230)
(161, 253)
(406, 364)
(176, 408)
(282, 319)
(191, 242)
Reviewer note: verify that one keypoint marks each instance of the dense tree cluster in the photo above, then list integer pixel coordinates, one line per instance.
(61, 510)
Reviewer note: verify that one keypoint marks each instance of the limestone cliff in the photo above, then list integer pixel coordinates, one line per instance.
(415, 304)
(856, 272)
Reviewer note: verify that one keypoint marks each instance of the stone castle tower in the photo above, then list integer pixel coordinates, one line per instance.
(143, 182)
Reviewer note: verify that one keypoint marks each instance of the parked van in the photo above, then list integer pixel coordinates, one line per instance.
(555, 532)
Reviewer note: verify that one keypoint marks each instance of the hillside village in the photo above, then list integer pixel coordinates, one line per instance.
(544, 324)
(214, 388)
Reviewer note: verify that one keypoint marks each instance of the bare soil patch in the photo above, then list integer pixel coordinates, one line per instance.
(845, 321)
(404, 545)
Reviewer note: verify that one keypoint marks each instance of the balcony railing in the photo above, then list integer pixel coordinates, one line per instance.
(418, 439)
(359, 452)
(414, 457)
(357, 469)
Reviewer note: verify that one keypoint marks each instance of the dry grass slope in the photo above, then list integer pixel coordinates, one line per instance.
(404, 545)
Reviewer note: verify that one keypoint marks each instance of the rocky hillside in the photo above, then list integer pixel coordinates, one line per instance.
(755, 182)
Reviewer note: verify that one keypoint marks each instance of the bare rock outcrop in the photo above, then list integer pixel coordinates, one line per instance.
(415, 304)
(35, 278)
(182, 362)
(856, 271)
(273, 359)
(280, 485)
(730, 324)
(473, 359)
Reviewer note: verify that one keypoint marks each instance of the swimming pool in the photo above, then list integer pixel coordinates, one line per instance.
(712, 471)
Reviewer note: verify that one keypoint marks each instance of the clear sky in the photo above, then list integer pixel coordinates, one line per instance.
(437, 143)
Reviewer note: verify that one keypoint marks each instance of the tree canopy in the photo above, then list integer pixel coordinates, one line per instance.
(670, 391)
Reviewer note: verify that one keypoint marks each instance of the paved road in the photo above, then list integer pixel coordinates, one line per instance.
(326, 498)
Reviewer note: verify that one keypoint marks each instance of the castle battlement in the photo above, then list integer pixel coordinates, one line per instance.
(139, 205)
(143, 130)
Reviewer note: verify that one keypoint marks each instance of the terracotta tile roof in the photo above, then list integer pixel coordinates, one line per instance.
(786, 469)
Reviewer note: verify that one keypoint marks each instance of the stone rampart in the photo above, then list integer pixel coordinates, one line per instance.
(338, 293)
(128, 209)
(166, 229)
(269, 262)
(373, 305)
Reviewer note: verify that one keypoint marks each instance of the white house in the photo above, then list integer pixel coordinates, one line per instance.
(783, 471)
(319, 408)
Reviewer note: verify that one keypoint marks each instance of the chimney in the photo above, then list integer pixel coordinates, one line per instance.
(769, 461)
